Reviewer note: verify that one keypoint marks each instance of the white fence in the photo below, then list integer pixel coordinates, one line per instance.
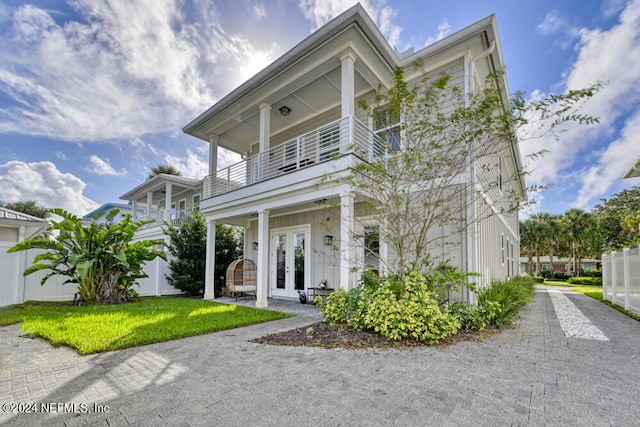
(16, 288)
(621, 278)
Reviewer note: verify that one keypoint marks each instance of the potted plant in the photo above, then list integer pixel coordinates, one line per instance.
(323, 284)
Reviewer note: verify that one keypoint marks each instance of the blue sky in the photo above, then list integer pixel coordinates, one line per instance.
(94, 94)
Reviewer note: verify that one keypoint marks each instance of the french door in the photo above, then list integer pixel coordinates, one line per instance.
(290, 261)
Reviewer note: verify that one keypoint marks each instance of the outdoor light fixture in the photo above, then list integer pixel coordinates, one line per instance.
(320, 201)
(328, 240)
(284, 110)
(254, 245)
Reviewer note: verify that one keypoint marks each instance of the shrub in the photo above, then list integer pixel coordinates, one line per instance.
(547, 274)
(538, 279)
(502, 299)
(470, 317)
(592, 273)
(384, 308)
(560, 275)
(586, 281)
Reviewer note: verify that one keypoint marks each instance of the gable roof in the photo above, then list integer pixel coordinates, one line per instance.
(634, 170)
(33, 225)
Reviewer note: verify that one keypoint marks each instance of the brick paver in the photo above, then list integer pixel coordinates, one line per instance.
(530, 374)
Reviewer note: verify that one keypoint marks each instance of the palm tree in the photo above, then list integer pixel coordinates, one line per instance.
(164, 169)
(555, 237)
(578, 222)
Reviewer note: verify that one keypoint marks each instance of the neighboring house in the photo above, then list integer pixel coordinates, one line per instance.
(296, 124)
(107, 207)
(564, 265)
(164, 198)
(634, 170)
(17, 226)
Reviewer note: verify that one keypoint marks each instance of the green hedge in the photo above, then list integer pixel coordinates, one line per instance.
(586, 281)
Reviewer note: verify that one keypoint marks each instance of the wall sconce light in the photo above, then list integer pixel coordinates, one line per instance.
(328, 240)
(254, 245)
(284, 110)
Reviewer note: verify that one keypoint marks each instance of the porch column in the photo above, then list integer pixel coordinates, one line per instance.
(22, 232)
(213, 155)
(134, 209)
(209, 184)
(210, 272)
(150, 204)
(263, 259)
(347, 61)
(167, 201)
(265, 135)
(347, 224)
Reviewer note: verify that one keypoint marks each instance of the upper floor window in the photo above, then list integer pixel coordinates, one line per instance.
(386, 124)
(196, 203)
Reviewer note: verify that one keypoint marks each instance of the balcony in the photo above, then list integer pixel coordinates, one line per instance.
(329, 142)
(171, 216)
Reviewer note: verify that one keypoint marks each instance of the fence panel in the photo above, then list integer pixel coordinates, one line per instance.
(16, 288)
(621, 278)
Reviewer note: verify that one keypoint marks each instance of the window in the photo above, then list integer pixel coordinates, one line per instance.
(386, 124)
(502, 248)
(372, 248)
(508, 263)
(196, 203)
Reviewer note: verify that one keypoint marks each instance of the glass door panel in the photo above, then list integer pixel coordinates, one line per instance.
(281, 261)
(298, 250)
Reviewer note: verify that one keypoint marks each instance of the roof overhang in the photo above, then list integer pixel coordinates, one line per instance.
(305, 79)
(634, 170)
(157, 185)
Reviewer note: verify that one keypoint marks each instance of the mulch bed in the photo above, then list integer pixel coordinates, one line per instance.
(323, 335)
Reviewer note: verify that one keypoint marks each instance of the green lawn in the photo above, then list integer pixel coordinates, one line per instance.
(98, 328)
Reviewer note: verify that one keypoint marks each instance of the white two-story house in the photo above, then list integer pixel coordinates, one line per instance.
(299, 126)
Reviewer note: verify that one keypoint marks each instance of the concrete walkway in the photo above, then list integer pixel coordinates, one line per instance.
(531, 374)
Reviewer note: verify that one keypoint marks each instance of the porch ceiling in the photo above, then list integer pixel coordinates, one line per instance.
(306, 99)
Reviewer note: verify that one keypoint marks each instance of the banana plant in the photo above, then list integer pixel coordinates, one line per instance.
(99, 257)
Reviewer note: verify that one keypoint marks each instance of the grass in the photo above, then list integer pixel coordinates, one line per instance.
(99, 328)
(594, 292)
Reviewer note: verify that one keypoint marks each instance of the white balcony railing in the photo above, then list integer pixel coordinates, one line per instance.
(344, 136)
(171, 216)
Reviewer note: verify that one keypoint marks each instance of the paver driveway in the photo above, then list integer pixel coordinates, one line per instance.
(531, 374)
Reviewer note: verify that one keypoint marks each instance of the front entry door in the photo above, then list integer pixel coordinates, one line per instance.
(289, 261)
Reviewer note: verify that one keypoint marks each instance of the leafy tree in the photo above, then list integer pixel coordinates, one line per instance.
(29, 207)
(416, 178)
(164, 169)
(188, 246)
(612, 215)
(99, 258)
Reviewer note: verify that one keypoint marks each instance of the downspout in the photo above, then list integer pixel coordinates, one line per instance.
(472, 249)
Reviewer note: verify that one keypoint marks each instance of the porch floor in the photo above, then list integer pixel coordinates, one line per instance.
(290, 306)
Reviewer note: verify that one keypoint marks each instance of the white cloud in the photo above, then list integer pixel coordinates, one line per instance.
(190, 165)
(102, 167)
(444, 29)
(554, 22)
(194, 165)
(44, 183)
(611, 56)
(123, 69)
(319, 12)
(259, 11)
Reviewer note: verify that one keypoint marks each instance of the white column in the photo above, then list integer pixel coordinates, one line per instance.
(134, 209)
(213, 155)
(265, 135)
(22, 232)
(167, 201)
(263, 259)
(150, 204)
(347, 62)
(347, 223)
(210, 272)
